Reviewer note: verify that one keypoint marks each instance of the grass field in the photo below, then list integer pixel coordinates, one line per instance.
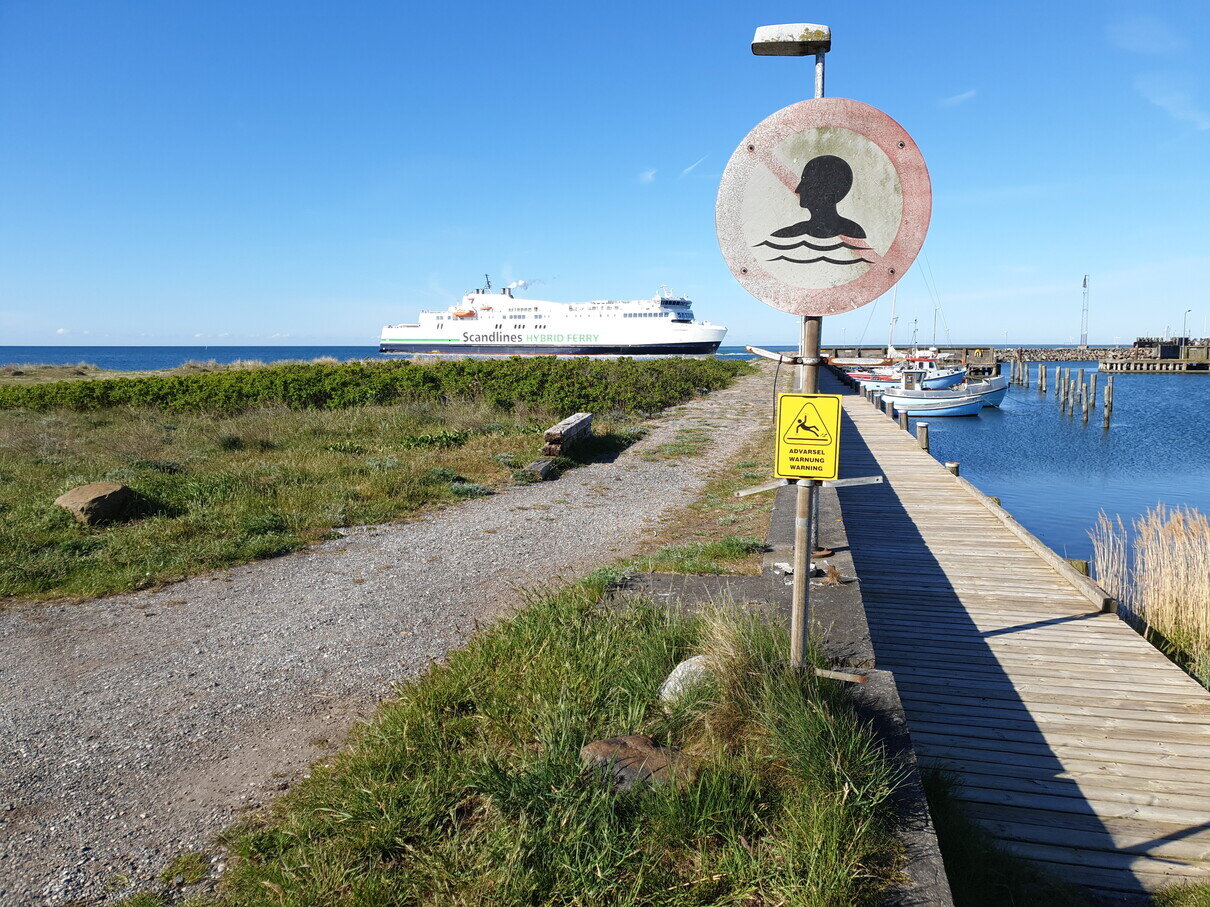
(719, 533)
(468, 790)
(222, 490)
(231, 466)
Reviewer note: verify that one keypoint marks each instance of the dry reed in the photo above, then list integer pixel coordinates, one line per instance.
(1111, 557)
(1163, 578)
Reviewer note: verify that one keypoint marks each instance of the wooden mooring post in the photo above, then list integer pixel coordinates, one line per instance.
(922, 435)
(903, 420)
(1108, 401)
(1042, 377)
(1084, 405)
(1092, 390)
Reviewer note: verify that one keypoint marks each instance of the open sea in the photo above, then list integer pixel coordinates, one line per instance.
(1051, 471)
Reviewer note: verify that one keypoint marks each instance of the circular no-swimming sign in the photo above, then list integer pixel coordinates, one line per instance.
(823, 206)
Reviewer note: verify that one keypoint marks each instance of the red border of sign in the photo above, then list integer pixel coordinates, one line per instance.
(909, 165)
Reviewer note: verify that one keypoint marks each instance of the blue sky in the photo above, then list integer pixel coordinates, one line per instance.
(297, 172)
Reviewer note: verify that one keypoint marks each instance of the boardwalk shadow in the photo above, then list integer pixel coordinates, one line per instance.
(965, 712)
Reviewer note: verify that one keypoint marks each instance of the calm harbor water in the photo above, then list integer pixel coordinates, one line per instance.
(1054, 473)
(1051, 471)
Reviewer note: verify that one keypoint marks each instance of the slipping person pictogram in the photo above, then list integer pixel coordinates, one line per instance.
(807, 427)
(826, 180)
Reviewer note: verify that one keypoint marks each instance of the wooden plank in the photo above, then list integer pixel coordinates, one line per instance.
(1153, 874)
(1177, 841)
(1052, 723)
(1049, 712)
(1085, 785)
(952, 757)
(574, 426)
(1027, 672)
(1099, 645)
(1028, 692)
(561, 437)
(1102, 627)
(937, 736)
(1068, 658)
(1044, 637)
(1185, 710)
(1106, 808)
(1025, 675)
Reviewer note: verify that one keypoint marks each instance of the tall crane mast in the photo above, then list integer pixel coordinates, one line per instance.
(1084, 318)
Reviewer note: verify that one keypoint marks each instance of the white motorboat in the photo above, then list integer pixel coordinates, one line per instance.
(966, 400)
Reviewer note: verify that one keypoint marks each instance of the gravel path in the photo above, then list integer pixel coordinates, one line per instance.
(136, 726)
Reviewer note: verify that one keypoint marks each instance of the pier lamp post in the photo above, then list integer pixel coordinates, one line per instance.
(1185, 323)
(801, 41)
(764, 191)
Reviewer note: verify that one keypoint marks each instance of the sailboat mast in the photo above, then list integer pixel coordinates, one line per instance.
(890, 332)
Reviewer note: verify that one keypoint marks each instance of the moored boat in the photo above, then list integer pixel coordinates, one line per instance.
(925, 372)
(966, 400)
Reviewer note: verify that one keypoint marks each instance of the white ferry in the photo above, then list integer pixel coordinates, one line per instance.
(488, 322)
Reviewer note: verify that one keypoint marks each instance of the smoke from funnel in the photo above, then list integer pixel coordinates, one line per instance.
(523, 284)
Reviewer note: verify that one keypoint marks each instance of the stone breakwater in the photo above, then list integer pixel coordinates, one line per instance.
(1072, 354)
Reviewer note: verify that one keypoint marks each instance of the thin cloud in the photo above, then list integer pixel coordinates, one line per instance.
(647, 176)
(1145, 35)
(693, 166)
(1172, 94)
(955, 100)
(63, 331)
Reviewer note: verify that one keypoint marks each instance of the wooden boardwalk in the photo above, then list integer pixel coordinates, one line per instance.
(1072, 739)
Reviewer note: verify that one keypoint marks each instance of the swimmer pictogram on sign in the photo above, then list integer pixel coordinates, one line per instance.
(807, 428)
(826, 180)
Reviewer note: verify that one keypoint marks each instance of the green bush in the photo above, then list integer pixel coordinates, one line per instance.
(562, 386)
(470, 490)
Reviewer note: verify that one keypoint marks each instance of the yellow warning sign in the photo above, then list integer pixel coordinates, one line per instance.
(808, 436)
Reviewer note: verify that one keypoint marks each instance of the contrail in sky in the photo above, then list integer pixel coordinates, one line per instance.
(694, 164)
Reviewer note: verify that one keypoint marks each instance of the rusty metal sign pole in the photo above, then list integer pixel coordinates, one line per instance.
(805, 511)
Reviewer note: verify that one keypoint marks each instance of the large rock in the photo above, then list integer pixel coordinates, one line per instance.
(688, 673)
(636, 759)
(98, 502)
